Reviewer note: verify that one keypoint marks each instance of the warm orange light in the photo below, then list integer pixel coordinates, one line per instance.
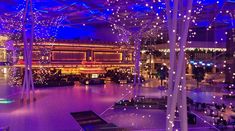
(108, 53)
(69, 52)
(90, 58)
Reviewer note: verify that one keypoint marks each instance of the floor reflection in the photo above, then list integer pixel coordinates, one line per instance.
(52, 109)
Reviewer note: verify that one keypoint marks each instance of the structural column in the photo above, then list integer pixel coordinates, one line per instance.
(177, 90)
(172, 27)
(137, 44)
(28, 31)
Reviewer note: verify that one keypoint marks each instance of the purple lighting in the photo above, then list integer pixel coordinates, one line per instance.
(151, 65)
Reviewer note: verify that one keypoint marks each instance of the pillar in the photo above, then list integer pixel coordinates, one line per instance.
(137, 55)
(28, 36)
(177, 91)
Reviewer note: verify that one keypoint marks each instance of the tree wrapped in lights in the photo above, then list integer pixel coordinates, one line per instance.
(28, 38)
(45, 35)
(35, 28)
(220, 11)
(11, 25)
(131, 23)
(177, 89)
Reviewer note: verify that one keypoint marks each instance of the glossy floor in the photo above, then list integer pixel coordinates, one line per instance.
(51, 111)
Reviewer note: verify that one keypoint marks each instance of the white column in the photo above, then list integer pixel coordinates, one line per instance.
(172, 27)
(31, 49)
(137, 44)
(28, 47)
(183, 111)
(179, 78)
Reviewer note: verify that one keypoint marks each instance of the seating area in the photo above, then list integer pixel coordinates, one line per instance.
(219, 115)
(140, 102)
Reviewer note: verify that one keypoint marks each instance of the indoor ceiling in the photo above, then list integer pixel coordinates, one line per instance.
(129, 15)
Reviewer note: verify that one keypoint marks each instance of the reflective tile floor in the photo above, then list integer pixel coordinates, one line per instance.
(51, 110)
